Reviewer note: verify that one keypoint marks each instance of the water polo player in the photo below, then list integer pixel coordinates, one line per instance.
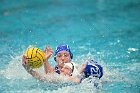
(90, 69)
(62, 55)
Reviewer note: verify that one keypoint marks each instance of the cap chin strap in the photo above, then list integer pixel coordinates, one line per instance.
(72, 69)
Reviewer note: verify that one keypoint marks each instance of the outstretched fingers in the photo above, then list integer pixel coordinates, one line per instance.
(48, 52)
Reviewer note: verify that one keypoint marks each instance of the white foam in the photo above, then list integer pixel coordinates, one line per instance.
(14, 69)
(133, 49)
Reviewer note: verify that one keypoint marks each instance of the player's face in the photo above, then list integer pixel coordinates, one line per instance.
(63, 57)
(66, 70)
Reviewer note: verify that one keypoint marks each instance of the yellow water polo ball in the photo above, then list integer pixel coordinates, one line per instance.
(34, 57)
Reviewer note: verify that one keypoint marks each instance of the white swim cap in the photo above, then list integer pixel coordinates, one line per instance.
(73, 67)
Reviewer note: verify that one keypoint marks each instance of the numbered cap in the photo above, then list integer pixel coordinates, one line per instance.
(93, 69)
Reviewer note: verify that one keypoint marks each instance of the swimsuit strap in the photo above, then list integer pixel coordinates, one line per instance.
(72, 67)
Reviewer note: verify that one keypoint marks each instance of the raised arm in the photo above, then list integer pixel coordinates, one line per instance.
(48, 52)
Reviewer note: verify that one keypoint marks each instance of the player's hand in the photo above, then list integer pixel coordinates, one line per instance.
(48, 52)
(24, 64)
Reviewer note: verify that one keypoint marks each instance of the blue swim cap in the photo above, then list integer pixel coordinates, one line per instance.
(61, 48)
(93, 69)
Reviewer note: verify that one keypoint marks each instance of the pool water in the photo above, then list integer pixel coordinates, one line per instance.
(106, 30)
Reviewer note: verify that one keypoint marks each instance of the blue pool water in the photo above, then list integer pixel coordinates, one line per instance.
(106, 30)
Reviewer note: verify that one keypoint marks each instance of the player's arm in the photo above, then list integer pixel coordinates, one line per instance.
(30, 70)
(48, 68)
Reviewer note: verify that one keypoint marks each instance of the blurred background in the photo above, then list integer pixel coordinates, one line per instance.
(105, 30)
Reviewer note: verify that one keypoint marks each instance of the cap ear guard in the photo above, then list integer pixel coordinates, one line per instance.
(71, 55)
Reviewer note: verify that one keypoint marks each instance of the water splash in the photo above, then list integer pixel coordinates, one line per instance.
(113, 73)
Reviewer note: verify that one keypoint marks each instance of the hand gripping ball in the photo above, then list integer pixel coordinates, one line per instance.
(34, 57)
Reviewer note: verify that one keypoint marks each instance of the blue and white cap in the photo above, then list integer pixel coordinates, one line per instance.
(93, 69)
(63, 47)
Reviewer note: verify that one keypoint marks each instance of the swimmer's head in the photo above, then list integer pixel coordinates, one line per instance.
(69, 69)
(93, 69)
(62, 48)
